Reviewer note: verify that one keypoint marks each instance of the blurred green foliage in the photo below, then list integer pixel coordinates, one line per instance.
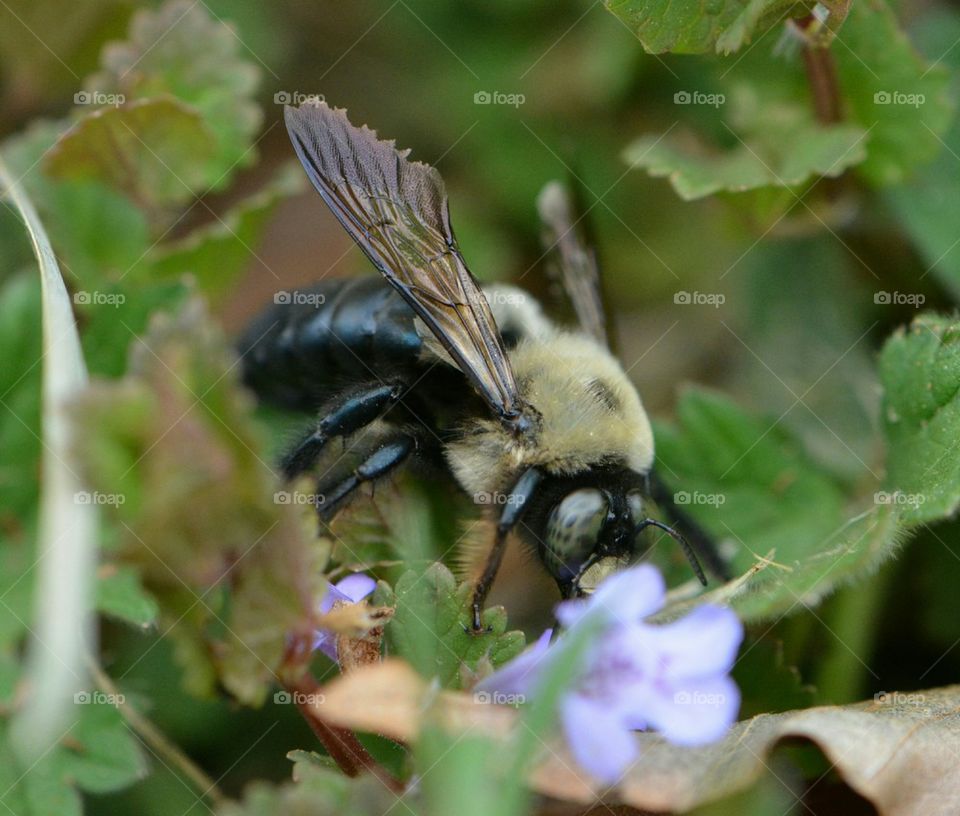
(747, 244)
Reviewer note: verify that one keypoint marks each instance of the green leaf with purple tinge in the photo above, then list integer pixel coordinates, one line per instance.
(181, 49)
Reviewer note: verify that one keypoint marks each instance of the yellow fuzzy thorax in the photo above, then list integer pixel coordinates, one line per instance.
(591, 414)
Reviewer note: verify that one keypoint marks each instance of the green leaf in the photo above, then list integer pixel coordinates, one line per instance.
(926, 205)
(9, 675)
(216, 255)
(781, 146)
(102, 755)
(760, 15)
(747, 481)
(316, 790)
(152, 150)
(807, 325)
(20, 386)
(34, 790)
(97, 754)
(695, 26)
(777, 588)
(117, 314)
(890, 90)
(920, 371)
(174, 450)
(431, 626)
(92, 227)
(181, 49)
(120, 594)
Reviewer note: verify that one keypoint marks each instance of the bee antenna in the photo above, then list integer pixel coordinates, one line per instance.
(684, 545)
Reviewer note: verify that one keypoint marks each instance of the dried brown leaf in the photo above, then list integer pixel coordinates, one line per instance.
(900, 751)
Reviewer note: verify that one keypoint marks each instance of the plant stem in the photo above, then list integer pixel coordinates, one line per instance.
(158, 741)
(821, 74)
(852, 615)
(341, 743)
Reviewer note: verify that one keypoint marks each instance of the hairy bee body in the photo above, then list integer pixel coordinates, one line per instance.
(540, 424)
(315, 347)
(310, 347)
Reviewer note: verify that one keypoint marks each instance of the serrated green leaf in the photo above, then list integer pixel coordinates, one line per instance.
(152, 150)
(782, 147)
(121, 595)
(38, 790)
(853, 551)
(759, 15)
(891, 91)
(695, 26)
(174, 450)
(317, 791)
(920, 371)
(93, 228)
(747, 481)
(183, 50)
(97, 754)
(102, 755)
(432, 621)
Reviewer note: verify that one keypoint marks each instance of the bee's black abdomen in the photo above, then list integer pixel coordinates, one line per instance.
(320, 338)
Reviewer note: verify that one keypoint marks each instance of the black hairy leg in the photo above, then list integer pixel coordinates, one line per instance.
(350, 416)
(384, 459)
(512, 513)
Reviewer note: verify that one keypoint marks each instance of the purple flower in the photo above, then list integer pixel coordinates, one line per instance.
(672, 677)
(352, 589)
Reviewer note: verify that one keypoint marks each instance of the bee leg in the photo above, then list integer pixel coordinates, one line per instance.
(387, 457)
(350, 416)
(699, 539)
(513, 508)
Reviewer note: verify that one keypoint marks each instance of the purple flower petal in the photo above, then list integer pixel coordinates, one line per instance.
(357, 586)
(330, 597)
(351, 589)
(694, 713)
(520, 675)
(702, 644)
(635, 675)
(598, 739)
(629, 596)
(326, 642)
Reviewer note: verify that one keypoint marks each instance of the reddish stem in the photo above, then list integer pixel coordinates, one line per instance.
(341, 743)
(822, 76)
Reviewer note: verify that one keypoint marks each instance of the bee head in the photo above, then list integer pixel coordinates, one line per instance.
(586, 526)
(589, 527)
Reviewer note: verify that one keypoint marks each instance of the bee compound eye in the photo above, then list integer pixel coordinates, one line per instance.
(635, 503)
(573, 528)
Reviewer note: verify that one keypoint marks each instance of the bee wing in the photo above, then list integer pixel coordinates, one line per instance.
(396, 210)
(573, 259)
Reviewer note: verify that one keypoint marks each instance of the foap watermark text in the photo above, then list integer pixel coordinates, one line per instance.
(715, 299)
(514, 100)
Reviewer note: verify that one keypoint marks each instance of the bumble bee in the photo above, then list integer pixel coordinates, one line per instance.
(539, 423)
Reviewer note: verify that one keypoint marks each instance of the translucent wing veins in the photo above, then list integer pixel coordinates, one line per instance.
(396, 210)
